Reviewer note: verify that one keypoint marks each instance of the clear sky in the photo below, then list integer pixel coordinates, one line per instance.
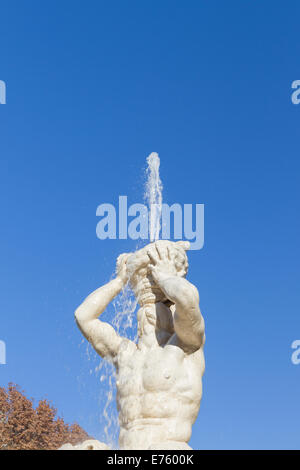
(92, 88)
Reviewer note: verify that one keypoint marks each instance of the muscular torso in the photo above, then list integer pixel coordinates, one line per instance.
(159, 380)
(158, 395)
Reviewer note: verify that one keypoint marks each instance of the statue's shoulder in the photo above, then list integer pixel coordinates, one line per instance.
(126, 345)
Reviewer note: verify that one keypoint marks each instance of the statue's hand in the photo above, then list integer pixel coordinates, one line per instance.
(161, 263)
(121, 268)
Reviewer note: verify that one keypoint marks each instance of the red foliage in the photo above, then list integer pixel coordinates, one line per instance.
(24, 427)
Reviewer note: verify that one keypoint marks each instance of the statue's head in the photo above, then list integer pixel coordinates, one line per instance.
(139, 274)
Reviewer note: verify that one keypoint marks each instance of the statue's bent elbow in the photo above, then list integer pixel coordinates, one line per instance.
(78, 316)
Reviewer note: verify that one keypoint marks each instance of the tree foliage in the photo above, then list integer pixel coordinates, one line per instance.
(25, 427)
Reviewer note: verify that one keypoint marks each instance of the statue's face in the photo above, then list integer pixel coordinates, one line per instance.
(139, 272)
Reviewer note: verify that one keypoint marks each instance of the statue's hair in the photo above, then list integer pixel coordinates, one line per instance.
(180, 259)
(141, 258)
(140, 276)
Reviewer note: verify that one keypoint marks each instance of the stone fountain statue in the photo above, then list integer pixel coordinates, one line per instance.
(159, 379)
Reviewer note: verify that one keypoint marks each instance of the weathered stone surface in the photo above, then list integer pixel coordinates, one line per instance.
(159, 379)
(90, 444)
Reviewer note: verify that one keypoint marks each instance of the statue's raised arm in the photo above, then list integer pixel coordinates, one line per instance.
(188, 321)
(159, 377)
(101, 335)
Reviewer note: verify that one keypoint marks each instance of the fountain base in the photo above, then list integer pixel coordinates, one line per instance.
(90, 444)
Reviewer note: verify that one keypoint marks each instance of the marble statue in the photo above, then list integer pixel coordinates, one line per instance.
(159, 379)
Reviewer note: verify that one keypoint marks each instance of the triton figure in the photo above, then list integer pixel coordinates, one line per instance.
(159, 379)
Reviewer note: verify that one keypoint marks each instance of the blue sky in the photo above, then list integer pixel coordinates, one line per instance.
(94, 87)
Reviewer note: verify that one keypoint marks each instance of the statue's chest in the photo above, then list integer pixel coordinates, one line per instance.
(162, 369)
(157, 369)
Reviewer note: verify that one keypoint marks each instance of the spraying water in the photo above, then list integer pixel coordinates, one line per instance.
(153, 195)
(124, 316)
(125, 323)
